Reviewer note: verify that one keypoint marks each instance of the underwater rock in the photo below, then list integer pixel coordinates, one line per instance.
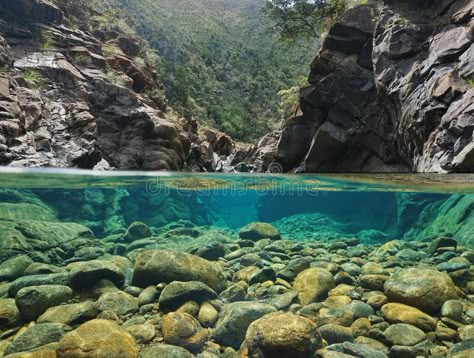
(400, 313)
(35, 300)
(51, 242)
(176, 293)
(422, 288)
(313, 285)
(70, 314)
(165, 351)
(39, 280)
(136, 231)
(119, 302)
(335, 333)
(282, 335)
(98, 338)
(404, 334)
(184, 330)
(36, 336)
(37, 268)
(207, 315)
(257, 230)
(143, 333)
(15, 267)
(9, 313)
(86, 274)
(157, 266)
(212, 251)
(234, 320)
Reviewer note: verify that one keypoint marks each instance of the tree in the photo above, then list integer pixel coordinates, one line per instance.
(304, 18)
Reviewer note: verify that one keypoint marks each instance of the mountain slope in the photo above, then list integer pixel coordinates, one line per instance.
(221, 62)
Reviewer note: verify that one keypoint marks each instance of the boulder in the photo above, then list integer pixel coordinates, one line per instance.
(257, 230)
(33, 301)
(176, 293)
(98, 338)
(422, 288)
(400, 313)
(313, 285)
(234, 320)
(282, 335)
(86, 274)
(157, 266)
(71, 314)
(36, 336)
(184, 330)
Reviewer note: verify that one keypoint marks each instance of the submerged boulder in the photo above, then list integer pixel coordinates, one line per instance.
(282, 335)
(257, 230)
(35, 300)
(234, 320)
(157, 266)
(313, 285)
(422, 288)
(177, 293)
(98, 338)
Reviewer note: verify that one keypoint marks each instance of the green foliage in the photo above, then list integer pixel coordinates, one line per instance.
(221, 62)
(33, 79)
(45, 38)
(111, 48)
(470, 82)
(294, 19)
(80, 59)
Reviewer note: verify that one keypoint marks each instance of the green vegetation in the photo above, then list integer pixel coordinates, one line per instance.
(45, 38)
(220, 61)
(470, 82)
(33, 79)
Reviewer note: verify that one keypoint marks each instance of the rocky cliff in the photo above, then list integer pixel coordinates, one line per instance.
(76, 91)
(391, 90)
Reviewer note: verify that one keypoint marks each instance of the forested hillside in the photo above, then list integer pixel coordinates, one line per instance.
(221, 61)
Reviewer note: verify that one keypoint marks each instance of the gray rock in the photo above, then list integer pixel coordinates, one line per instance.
(235, 318)
(36, 336)
(404, 334)
(165, 351)
(119, 302)
(39, 280)
(70, 314)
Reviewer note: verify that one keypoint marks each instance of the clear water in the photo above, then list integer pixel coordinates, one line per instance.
(374, 208)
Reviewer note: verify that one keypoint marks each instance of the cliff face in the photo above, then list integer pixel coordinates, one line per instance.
(72, 95)
(391, 90)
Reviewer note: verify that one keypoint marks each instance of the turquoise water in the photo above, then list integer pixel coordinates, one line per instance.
(139, 258)
(372, 208)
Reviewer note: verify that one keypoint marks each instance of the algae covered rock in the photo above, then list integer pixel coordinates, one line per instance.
(14, 267)
(85, 274)
(165, 351)
(70, 314)
(9, 313)
(136, 231)
(119, 302)
(313, 285)
(176, 293)
(157, 266)
(282, 335)
(98, 338)
(234, 320)
(257, 230)
(36, 336)
(33, 301)
(422, 288)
